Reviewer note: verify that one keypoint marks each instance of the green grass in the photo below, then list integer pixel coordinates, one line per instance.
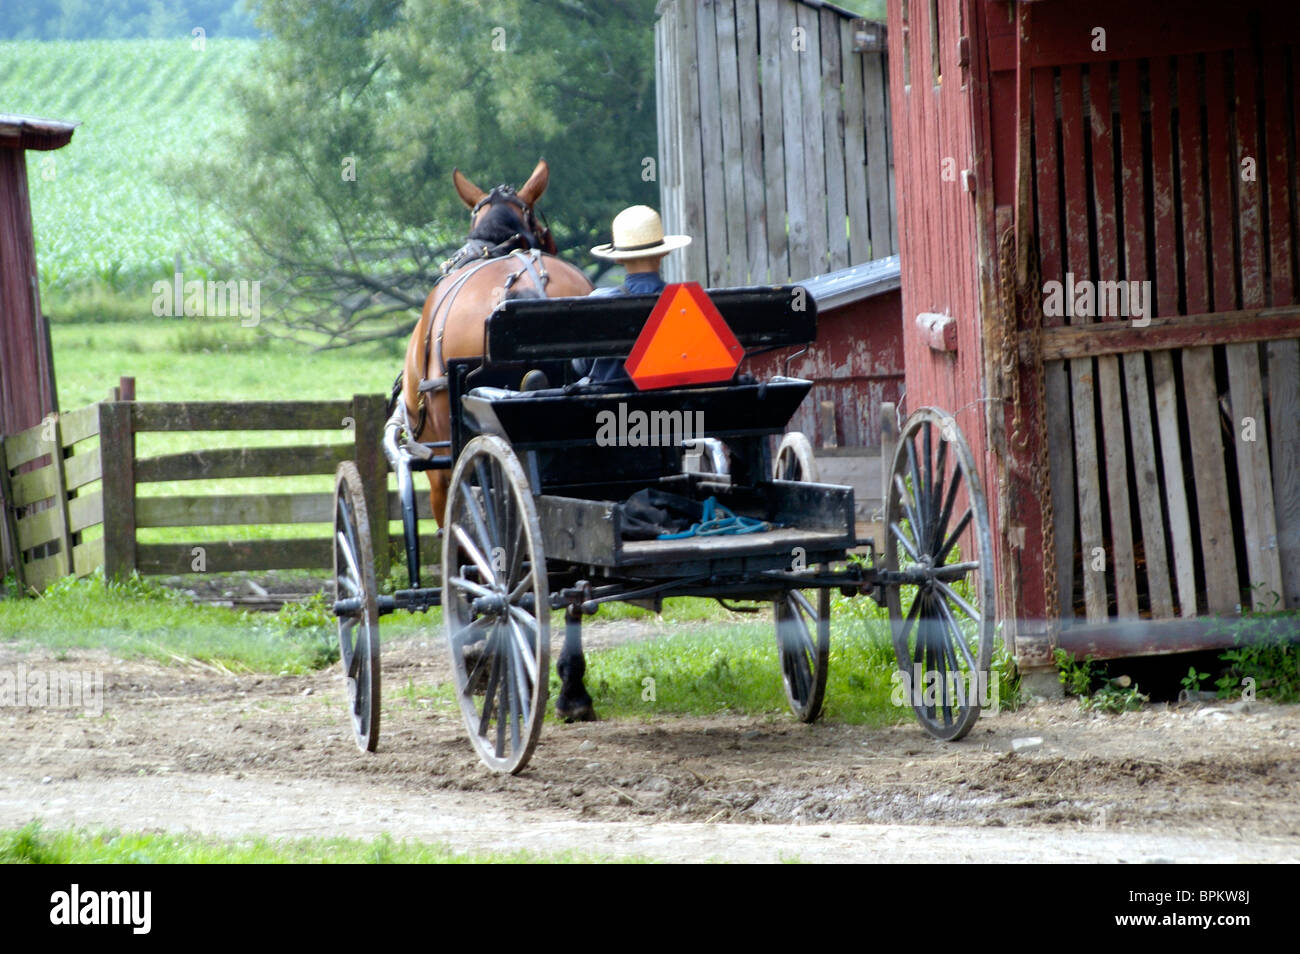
(142, 619)
(99, 205)
(32, 844)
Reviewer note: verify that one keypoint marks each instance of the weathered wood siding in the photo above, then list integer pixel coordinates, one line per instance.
(773, 141)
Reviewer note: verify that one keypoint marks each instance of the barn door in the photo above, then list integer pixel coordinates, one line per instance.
(1175, 469)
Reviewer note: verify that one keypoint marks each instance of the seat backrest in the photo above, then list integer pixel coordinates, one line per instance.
(535, 329)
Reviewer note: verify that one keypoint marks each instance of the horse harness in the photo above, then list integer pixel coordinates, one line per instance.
(472, 256)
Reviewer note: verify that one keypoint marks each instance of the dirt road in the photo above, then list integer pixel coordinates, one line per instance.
(191, 749)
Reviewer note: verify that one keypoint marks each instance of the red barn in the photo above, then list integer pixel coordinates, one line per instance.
(1104, 199)
(26, 368)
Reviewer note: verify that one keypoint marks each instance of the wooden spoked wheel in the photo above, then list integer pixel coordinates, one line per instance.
(794, 459)
(944, 637)
(354, 582)
(496, 603)
(803, 627)
(803, 640)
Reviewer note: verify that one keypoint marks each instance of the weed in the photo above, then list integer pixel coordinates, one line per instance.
(1113, 695)
(1192, 681)
(1265, 651)
(27, 846)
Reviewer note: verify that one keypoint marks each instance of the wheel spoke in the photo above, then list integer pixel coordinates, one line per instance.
(918, 531)
(476, 517)
(918, 492)
(469, 586)
(349, 556)
(461, 638)
(911, 619)
(525, 646)
(937, 489)
(953, 538)
(503, 709)
(475, 555)
(519, 694)
(955, 571)
(946, 514)
(484, 659)
(489, 505)
(958, 636)
(956, 598)
(897, 531)
(491, 652)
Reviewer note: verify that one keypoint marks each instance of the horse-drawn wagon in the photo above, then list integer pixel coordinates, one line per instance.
(537, 520)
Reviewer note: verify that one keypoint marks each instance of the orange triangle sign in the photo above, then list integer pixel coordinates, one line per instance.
(685, 341)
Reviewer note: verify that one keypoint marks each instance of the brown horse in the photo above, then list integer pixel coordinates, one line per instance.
(508, 255)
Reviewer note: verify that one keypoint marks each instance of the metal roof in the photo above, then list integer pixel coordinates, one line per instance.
(32, 132)
(843, 287)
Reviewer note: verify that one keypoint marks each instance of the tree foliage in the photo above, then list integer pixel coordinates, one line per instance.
(339, 174)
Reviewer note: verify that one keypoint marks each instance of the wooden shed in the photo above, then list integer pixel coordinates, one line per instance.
(27, 390)
(1103, 196)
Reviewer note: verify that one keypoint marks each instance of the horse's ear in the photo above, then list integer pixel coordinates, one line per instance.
(469, 193)
(532, 189)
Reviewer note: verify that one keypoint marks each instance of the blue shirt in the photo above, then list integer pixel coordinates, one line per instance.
(603, 370)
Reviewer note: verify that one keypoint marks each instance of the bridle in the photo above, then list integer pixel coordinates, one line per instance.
(540, 231)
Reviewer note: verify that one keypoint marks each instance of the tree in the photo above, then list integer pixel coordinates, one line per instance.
(340, 177)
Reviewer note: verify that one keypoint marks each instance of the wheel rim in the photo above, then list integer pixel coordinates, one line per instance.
(803, 641)
(944, 639)
(354, 578)
(494, 582)
(794, 459)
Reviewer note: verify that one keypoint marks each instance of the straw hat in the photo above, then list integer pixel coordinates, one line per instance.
(639, 233)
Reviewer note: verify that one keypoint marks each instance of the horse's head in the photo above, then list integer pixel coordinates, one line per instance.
(505, 213)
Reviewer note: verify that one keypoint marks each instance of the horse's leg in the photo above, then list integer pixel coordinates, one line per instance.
(574, 705)
(439, 482)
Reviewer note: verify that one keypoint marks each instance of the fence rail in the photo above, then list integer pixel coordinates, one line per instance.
(51, 509)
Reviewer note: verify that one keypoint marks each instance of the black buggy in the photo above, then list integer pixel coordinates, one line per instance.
(534, 523)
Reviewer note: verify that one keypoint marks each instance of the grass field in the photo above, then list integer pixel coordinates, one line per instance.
(33, 844)
(100, 208)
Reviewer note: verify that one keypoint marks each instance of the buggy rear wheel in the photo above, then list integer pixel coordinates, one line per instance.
(496, 603)
(944, 639)
(354, 584)
(803, 629)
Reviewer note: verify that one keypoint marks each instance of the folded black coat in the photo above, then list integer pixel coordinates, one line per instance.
(649, 513)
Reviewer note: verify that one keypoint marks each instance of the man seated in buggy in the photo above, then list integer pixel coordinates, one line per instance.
(639, 245)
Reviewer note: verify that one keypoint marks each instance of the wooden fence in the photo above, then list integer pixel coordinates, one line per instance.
(58, 484)
(774, 150)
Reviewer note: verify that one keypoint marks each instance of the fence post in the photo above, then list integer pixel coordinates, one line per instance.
(117, 467)
(888, 441)
(368, 427)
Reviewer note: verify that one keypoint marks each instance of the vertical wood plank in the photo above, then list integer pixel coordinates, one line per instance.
(879, 185)
(694, 260)
(117, 469)
(372, 466)
(1133, 190)
(1166, 302)
(1060, 450)
(809, 80)
(11, 556)
(795, 175)
(60, 503)
(736, 271)
(774, 172)
(711, 151)
(1081, 370)
(663, 86)
(855, 151)
(1245, 385)
(1108, 376)
(1200, 388)
(1283, 356)
(751, 133)
(837, 235)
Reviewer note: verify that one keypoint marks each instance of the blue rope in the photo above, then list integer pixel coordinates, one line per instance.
(717, 520)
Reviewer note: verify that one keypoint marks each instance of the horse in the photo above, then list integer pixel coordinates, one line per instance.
(508, 254)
